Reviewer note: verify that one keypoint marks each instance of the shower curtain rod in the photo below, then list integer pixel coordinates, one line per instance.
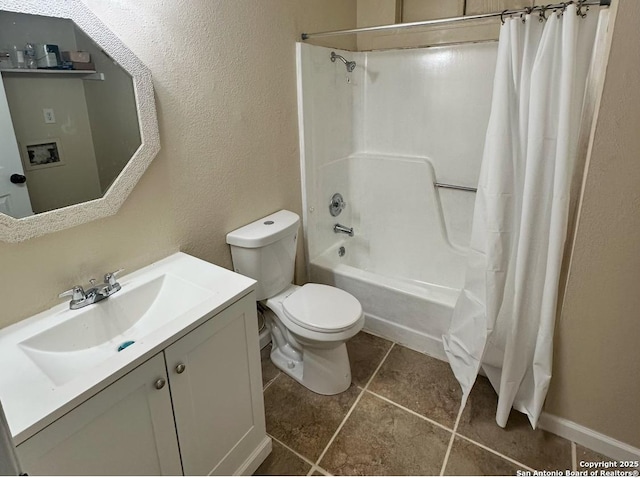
(441, 21)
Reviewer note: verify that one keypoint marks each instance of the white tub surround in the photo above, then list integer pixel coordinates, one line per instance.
(382, 136)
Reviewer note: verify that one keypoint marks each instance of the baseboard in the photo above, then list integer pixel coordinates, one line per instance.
(256, 458)
(410, 338)
(588, 438)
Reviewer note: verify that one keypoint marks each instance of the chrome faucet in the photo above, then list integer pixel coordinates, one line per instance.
(339, 228)
(81, 298)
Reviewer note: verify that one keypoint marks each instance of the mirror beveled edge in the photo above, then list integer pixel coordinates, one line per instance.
(17, 230)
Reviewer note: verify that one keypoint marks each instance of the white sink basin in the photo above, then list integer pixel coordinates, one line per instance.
(96, 332)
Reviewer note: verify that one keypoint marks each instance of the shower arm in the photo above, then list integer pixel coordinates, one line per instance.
(349, 64)
(334, 56)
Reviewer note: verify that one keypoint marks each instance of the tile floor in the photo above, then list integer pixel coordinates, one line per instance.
(397, 418)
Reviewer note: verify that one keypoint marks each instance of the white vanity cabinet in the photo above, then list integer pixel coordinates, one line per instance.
(196, 408)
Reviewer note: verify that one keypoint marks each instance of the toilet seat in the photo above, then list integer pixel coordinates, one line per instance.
(322, 308)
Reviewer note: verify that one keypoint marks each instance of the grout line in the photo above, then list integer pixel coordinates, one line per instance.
(432, 422)
(505, 457)
(271, 381)
(375, 372)
(574, 456)
(459, 417)
(453, 437)
(446, 455)
(344, 420)
(318, 469)
(322, 470)
(306, 460)
(335, 434)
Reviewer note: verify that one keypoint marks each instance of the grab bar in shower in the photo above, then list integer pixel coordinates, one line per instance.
(454, 186)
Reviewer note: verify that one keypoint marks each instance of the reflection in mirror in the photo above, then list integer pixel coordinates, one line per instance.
(70, 125)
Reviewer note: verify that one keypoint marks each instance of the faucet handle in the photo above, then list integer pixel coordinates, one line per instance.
(76, 293)
(110, 277)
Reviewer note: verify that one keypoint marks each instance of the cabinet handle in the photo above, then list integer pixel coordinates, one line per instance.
(160, 383)
(180, 368)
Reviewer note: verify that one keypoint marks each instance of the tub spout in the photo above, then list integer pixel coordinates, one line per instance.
(339, 228)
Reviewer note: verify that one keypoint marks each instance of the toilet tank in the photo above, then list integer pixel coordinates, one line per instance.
(265, 250)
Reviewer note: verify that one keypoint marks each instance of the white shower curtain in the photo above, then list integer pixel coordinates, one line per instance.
(504, 318)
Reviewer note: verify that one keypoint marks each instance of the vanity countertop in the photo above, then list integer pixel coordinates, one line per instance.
(32, 399)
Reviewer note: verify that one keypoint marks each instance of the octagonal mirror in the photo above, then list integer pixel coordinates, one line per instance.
(77, 118)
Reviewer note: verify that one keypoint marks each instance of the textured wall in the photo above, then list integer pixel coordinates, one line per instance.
(378, 12)
(225, 79)
(597, 357)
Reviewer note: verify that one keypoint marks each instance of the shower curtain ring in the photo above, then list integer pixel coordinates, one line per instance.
(542, 15)
(579, 11)
(502, 16)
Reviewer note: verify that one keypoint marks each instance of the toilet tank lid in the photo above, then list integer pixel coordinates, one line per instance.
(265, 231)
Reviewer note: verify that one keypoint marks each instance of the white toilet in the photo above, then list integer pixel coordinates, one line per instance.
(309, 324)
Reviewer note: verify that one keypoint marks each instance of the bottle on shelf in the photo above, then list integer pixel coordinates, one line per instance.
(30, 56)
(17, 57)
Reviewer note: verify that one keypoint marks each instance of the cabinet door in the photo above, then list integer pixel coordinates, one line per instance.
(126, 429)
(215, 379)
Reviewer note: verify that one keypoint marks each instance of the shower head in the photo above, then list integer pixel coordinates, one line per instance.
(351, 65)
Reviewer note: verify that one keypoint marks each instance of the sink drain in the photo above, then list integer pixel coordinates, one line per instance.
(124, 345)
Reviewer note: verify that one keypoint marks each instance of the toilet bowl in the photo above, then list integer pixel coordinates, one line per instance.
(309, 324)
(309, 329)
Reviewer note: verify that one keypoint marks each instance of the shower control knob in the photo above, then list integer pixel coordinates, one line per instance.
(18, 178)
(336, 205)
(160, 383)
(180, 368)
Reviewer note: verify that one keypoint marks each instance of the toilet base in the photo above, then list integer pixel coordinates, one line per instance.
(325, 371)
